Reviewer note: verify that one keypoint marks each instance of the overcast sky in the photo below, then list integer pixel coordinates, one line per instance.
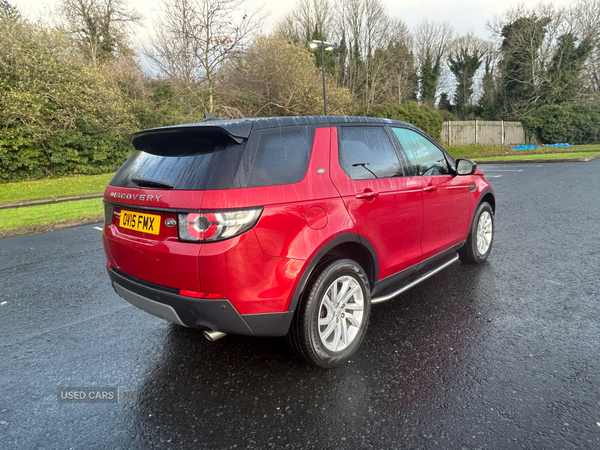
(464, 15)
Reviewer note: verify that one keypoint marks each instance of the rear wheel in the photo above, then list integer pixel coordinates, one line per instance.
(481, 236)
(332, 316)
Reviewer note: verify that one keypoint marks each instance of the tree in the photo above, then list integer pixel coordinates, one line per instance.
(582, 20)
(428, 80)
(368, 30)
(431, 43)
(101, 28)
(56, 115)
(521, 67)
(488, 83)
(463, 64)
(307, 18)
(562, 80)
(401, 76)
(277, 78)
(194, 38)
(8, 10)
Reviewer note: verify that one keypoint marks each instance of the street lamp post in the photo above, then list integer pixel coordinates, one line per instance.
(324, 46)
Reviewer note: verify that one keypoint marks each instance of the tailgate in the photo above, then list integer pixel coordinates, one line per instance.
(141, 238)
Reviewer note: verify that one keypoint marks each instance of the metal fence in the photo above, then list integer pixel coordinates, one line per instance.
(481, 132)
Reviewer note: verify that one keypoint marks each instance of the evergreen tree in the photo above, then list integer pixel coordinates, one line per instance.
(444, 103)
(402, 77)
(430, 73)
(521, 68)
(562, 78)
(486, 102)
(463, 66)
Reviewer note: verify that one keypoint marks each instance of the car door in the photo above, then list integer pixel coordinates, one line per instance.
(446, 198)
(386, 206)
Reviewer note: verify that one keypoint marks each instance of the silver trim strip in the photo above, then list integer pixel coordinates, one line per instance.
(385, 298)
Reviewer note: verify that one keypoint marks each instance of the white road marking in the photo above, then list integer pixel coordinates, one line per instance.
(494, 176)
(502, 170)
(98, 228)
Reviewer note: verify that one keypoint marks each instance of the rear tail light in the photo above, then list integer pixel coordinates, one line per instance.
(216, 226)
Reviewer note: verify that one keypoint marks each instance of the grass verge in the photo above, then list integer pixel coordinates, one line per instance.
(31, 216)
(545, 157)
(499, 152)
(53, 188)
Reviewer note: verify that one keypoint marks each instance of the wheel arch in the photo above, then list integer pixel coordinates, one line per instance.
(347, 245)
(487, 196)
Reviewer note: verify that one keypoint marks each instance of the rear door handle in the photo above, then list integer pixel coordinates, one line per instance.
(367, 195)
(430, 188)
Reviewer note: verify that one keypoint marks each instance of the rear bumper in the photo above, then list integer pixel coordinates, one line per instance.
(213, 314)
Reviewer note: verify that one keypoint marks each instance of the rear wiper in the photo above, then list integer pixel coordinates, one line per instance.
(151, 183)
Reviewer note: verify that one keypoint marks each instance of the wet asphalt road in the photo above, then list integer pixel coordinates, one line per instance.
(502, 355)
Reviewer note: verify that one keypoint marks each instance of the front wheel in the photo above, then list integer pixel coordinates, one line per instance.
(481, 236)
(331, 320)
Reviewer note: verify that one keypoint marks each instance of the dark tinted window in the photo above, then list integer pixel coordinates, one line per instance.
(366, 153)
(424, 156)
(276, 156)
(210, 159)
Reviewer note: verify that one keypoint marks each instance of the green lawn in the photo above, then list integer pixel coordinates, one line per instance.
(53, 188)
(499, 152)
(573, 155)
(45, 214)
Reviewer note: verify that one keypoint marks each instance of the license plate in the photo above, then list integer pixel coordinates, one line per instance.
(146, 223)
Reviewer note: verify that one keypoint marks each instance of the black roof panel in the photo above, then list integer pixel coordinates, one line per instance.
(241, 128)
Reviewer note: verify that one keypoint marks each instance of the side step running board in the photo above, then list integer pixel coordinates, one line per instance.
(385, 298)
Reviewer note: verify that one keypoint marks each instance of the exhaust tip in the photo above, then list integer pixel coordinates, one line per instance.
(214, 335)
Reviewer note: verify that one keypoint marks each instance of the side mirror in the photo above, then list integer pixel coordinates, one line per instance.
(465, 167)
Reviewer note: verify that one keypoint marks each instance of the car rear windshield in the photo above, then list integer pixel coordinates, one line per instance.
(211, 159)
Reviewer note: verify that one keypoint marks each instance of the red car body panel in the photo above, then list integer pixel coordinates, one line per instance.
(446, 211)
(159, 259)
(253, 282)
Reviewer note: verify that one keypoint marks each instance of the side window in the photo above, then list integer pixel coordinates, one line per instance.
(424, 157)
(367, 153)
(275, 156)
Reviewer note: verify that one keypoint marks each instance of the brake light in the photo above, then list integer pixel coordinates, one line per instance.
(213, 226)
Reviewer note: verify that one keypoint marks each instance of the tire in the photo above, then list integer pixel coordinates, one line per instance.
(322, 333)
(481, 236)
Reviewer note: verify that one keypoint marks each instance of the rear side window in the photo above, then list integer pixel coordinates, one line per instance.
(275, 156)
(367, 153)
(210, 159)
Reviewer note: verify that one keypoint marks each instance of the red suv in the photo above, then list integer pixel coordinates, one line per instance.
(289, 226)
